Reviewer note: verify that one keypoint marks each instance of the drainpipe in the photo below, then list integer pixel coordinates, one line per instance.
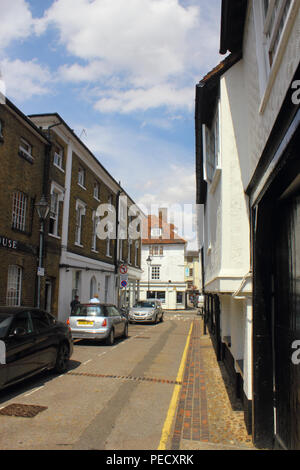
(116, 244)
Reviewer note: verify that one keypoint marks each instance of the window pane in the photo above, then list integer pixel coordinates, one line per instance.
(40, 321)
(19, 211)
(14, 279)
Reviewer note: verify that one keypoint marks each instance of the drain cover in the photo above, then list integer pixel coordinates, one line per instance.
(23, 411)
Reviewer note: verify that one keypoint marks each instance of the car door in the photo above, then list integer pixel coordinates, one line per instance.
(46, 341)
(20, 348)
(116, 320)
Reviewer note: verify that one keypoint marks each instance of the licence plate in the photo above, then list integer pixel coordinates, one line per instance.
(85, 322)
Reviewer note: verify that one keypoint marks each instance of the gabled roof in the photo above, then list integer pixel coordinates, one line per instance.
(168, 233)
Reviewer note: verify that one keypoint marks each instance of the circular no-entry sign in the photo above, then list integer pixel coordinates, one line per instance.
(123, 269)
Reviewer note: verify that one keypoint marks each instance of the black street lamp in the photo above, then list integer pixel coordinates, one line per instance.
(148, 261)
(42, 208)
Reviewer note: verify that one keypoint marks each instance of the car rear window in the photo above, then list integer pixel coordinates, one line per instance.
(89, 311)
(145, 304)
(5, 322)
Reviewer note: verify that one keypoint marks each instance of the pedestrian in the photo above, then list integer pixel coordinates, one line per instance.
(74, 303)
(95, 299)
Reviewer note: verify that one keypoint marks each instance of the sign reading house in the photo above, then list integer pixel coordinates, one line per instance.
(8, 243)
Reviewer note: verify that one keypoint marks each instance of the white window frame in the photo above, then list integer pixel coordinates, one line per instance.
(14, 286)
(212, 159)
(58, 156)
(156, 232)
(19, 211)
(80, 212)
(96, 191)
(26, 148)
(81, 177)
(129, 251)
(274, 23)
(136, 251)
(59, 192)
(108, 247)
(155, 273)
(95, 220)
(121, 249)
(270, 23)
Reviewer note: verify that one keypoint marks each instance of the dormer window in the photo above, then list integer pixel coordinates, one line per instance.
(156, 232)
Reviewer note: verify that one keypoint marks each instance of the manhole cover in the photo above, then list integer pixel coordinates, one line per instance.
(23, 411)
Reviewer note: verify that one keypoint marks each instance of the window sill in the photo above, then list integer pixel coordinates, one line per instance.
(54, 236)
(26, 157)
(96, 199)
(78, 244)
(82, 187)
(59, 167)
(108, 256)
(94, 251)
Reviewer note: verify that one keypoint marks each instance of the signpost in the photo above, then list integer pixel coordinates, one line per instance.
(123, 276)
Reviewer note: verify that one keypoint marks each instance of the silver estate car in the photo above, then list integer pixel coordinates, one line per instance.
(98, 321)
(146, 311)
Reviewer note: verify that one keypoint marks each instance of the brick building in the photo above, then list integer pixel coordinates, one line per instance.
(24, 152)
(42, 156)
(78, 187)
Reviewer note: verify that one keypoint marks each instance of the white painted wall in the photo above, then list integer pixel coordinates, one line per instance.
(171, 269)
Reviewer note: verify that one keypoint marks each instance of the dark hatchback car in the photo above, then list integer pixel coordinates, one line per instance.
(34, 340)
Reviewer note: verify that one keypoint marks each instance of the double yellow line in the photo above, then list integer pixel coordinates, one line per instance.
(174, 400)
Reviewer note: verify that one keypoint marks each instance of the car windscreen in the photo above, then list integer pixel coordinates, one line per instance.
(144, 305)
(89, 311)
(5, 322)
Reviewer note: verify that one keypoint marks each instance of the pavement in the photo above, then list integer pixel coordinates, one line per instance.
(208, 415)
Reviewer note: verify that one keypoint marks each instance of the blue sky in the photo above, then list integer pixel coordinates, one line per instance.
(122, 74)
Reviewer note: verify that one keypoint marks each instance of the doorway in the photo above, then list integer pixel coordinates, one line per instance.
(286, 321)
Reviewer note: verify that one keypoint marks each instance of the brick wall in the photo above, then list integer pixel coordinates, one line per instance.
(19, 174)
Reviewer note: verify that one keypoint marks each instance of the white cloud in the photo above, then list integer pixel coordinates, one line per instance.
(142, 99)
(16, 21)
(141, 53)
(25, 79)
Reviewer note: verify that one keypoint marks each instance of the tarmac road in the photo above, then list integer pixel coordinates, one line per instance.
(111, 398)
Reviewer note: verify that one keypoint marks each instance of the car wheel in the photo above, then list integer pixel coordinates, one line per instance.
(111, 338)
(162, 318)
(125, 334)
(62, 359)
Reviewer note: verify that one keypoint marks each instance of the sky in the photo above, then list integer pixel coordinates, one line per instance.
(122, 74)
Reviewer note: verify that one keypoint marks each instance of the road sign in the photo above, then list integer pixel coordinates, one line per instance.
(123, 269)
(41, 272)
(123, 280)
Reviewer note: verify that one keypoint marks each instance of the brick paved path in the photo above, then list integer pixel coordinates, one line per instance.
(208, 414)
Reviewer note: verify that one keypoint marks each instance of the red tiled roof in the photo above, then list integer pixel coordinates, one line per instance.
(168, 234)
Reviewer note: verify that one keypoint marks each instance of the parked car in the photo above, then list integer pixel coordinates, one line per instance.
(200, 301)
(146, 311)
(34, 340)
(98, 321)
